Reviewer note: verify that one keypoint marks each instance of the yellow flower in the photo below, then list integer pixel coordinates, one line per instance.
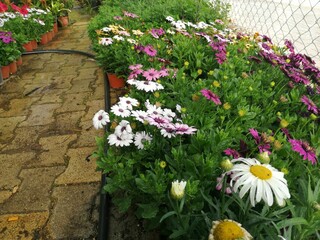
(163, 164)
(199, 71)
(216, 84)
(242, 112)
(226, 106)
(284, 123)
(228, 230)
(156, 94)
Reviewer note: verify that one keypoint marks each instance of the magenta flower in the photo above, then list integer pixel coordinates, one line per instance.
(232, 152)
(311, 105)
(151, 74)
(131, 15)
(149, 50)
(211, 96)
(255, 135)
(163, 72)
(304, 149)
(117, 18)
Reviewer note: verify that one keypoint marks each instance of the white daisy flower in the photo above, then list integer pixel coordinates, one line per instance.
(148, 86)
(1, 22)
(168, 113)
(171, 32)
(124, 33)
(228, 229)
(120, 110)
(121, 140)
(105, 41)
(132, 41)
(119, 38)
(123, 128)
(178, 107)
(139, 115)
(202, 25)
(168, 130)
(169, 18)
(100, 119)
(106, 29)
(153, 109)
(262, 180)
(178, 189)
(128, 102)
(140, 138)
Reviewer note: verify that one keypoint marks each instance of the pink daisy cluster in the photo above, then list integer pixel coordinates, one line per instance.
(220, 49)
(151, 75)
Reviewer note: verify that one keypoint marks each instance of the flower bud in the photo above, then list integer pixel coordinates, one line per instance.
(277, 145)
(272, 84)
(210, 72)
(264, 157)
(285, 171)
(313, 117)
(177, 189)
(226, 106)
(163, 164)
(216, 84)
(156, 94)
(199, 71)
(226, 164)
(195, 97)
(241, 112)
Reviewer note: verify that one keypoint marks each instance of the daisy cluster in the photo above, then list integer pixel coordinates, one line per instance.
(150, 78)
(164, 119)
(115, 33)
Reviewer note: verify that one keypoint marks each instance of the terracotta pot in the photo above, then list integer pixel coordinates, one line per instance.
(13, 67)
(28, 47)
(52, 34)
(55, 27)
(5, 70)
(19, 61)
(49, 36)
(64, 21)
(34, 44)
(44, 39)
(115, 82)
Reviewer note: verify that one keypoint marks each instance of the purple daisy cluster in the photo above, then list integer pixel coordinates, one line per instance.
(148, 49)
(208, 94)
(157, 32)
(220, 48)
(263, 143)
(6, 37)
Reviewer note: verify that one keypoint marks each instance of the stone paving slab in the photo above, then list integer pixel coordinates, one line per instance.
(79, 163)
(22, 226)
(66, 221)
(34, 194)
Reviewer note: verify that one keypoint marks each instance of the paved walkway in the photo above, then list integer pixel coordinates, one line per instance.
(49, 188)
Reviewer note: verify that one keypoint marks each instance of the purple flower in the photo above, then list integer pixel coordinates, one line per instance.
(211, 96)
(149, 50)
(310, 104)
(289, 46)
(304, 149)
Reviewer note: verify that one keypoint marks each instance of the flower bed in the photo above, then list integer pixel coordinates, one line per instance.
(218, 136)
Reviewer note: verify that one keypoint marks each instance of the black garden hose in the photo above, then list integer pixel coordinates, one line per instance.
(104, 197)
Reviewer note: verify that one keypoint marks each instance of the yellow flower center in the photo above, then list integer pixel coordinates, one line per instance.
(261, 172)
(227, 231)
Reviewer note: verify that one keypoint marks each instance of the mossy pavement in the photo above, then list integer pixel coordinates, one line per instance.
(49, 186)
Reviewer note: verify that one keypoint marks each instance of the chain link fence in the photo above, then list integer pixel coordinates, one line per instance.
(295, 20)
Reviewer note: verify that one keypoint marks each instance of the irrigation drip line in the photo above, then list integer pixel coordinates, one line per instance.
(104, 197)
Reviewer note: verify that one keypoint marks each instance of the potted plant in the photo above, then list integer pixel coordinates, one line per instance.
(60, 12)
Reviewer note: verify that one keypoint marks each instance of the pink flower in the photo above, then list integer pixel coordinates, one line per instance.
(131, 15)
(135, 73)
(232, 152)
(311, 105)
(184, 129)
(151, 74)
(135, 67)
(163, 72)
(255, 135)
(304, 149)
(211, 96)
(149, 50)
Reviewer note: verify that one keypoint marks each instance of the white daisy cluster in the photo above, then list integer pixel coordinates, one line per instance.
(119, 35)
(147, 86)
(182, 25)
(162, 118)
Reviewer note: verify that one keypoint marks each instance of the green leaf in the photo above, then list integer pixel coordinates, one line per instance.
(149, 210)
(168, 214)
(291, 222)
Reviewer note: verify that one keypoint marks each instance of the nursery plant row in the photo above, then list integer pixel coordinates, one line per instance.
(218, 135)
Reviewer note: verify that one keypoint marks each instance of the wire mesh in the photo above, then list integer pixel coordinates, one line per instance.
(295, 20)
